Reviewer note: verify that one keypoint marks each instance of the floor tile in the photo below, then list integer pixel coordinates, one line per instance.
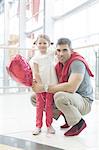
(17, 120)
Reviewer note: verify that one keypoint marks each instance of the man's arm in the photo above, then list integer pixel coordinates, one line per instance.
(74, 81)
(77, 72)
(71, 86)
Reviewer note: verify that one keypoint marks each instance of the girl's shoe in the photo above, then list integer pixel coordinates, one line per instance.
(36, 131)
(51, 130)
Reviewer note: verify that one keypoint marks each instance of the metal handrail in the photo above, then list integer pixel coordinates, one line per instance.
(96, 45)
(11, 47)
(20, 48)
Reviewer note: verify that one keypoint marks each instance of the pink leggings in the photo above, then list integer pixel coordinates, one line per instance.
(44, 101)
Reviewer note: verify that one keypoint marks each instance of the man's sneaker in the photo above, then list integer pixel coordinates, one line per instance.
(36, 131)
(64, 126)
(51, 130)
(76, 129)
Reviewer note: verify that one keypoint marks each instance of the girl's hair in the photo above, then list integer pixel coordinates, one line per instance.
(44, 36)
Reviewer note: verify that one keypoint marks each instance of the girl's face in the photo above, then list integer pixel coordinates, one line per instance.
(42, 44)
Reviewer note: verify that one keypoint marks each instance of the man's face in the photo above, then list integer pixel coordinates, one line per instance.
(63, 53)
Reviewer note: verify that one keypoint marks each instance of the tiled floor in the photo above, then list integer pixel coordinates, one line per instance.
(17, 119)
(12, 143)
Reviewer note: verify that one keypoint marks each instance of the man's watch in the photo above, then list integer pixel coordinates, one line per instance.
(46, 87)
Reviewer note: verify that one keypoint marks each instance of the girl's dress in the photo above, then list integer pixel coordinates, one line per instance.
(46, 64)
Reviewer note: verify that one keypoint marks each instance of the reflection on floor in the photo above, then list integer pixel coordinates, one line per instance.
(11, 143)
(6, 147)
(17, 119)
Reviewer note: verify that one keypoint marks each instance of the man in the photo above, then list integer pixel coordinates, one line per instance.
(73, 95)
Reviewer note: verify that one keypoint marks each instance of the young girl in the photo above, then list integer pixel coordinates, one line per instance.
(44, 72)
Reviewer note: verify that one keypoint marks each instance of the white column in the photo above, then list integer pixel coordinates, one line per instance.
(22, 25)
(6, 37)
(97, 76)
(48, 21)
(22, 30)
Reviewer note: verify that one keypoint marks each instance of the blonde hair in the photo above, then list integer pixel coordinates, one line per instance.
(44, 36)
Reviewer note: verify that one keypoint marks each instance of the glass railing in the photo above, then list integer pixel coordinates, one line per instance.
(91, 53)
(8, 85)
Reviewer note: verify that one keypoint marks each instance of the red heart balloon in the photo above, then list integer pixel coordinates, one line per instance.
(20, 70)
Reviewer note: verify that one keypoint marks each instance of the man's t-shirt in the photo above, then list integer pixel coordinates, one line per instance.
(85, 89)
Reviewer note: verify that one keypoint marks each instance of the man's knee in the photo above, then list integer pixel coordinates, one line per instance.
(61, 97)
(57, 98)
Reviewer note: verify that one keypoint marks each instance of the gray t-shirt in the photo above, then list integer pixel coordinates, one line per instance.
(85, 89)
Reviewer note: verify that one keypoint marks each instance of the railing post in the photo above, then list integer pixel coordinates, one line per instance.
(97, 76)
(6, 37)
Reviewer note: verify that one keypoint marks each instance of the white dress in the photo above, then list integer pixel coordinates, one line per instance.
(46, 63)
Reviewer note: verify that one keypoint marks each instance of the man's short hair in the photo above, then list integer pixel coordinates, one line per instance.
(63, 41)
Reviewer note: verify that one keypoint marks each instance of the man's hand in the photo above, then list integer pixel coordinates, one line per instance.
(37, 87)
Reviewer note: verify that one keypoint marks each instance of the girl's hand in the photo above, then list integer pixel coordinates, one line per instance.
(37, 87)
